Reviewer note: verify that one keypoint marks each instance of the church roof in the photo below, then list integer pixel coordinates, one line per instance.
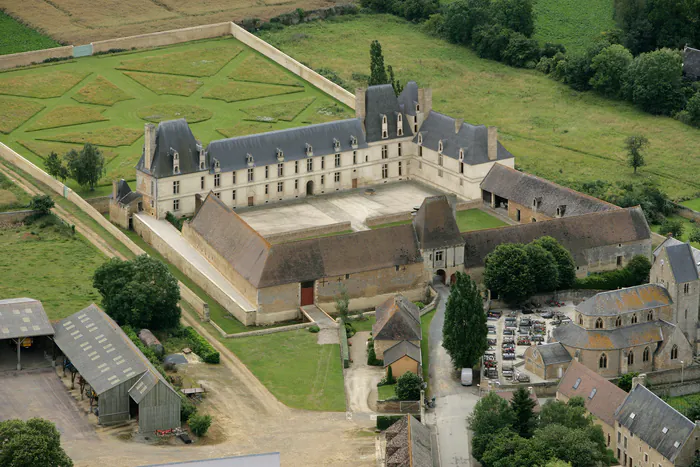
(397, 319)
(436, 225)
(573, 335)
(627, 300)
(524, 188)
(473, 139)
(680, 258)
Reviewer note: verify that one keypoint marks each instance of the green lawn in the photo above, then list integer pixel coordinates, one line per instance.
(682, 403)
(574, 23)
(298, 371)
(476, 219)
(385, 392)
(12, 197)
(16, 37)
(109, 97)
(554, 132)
(364, 324)
(693, 204)
(49, 264)
(687, 228)
(425, 321)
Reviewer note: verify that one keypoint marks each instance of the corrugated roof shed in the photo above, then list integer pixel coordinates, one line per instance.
(23, 317)
(473, 139)
(400, 350)
(436, 225)
(524, 188)
(680, 258)
(635, 335)
(602, 398)
(397, 319)
(576, 234)
(255, 460)
(655, 422)
(627, 300)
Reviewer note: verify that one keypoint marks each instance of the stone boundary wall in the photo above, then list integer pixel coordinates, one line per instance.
(13, 217)
(262, 332)
(388, 218)
(544, 389)
(34, 56)
(100, 203)
(573, 295)
(471, 204)
(200, 306)
(158, 39)
(308, 232)
(687, 212)
(412, 407)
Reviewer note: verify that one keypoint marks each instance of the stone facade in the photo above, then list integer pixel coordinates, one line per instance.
(404, 364)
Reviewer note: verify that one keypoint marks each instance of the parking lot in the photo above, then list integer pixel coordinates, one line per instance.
(511, 332)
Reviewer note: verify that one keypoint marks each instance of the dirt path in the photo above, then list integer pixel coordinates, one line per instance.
(361, 379)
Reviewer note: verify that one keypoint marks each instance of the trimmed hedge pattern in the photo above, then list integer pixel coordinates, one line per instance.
(201, 346)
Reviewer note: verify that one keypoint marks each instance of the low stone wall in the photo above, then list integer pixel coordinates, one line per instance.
(308, 232)
(199, 305)
(158, 39)
(13, 217)
(33, 57)
(101, 204)
(262, 332)
(412, 407)
(687, 212)
(570, 295)
(471, 204)
(544, 389)
(389, 218)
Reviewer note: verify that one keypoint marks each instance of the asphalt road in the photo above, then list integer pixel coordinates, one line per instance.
(453, 402)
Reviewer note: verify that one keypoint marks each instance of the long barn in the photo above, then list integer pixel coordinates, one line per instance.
(127, 385)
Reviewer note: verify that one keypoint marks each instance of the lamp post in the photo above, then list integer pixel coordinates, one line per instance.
(682, 367)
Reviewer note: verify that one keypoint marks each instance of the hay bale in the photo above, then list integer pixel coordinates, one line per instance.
(151, 341)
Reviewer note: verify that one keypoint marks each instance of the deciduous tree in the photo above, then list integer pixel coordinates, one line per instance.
(491, 415)
(508, 273)
(654, 81)
(408, 387)
(610, 67)
(464, 331)
(35, 442)
(566, 268)
(543, 266)
(673, 227)
(635, 146)
(87, 166)
(42, 204)
(55, 168)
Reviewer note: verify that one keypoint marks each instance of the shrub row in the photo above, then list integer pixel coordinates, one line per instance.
(150, 354)
(177, 222)
(201, 346)
(296, 17)
(635, 273)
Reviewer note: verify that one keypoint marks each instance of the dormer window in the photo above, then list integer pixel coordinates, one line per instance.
(536, 202)
(202, 154)
(399, 125)
(461, 155)
(385, 129)
(217, 165)
(309, 150)
(336, 144)
(176, 162)
(280, 155)
(440, 147)
(383, 119)
(420, 138)
(249, 160)
(417, 107)
(561, 210)
(353, 141)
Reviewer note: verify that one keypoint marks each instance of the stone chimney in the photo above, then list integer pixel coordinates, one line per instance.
(493, 143)
(360, 111)
(637, 380)
(197, 203)
(428, 105)
(458, 124)
(115, 189)
(149, 145)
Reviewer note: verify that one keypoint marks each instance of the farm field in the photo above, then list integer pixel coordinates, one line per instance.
(59, 264)
(106, 100)
(84, 21)
(573, 23)
(16, 37)
(554, 132)
(687, 228)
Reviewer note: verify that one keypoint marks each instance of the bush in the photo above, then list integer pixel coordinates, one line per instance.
(332, 76)
(653, 201)
(694, 235)
(673, 227)
(314, 329)
(521, 52)
(42, 204)
(692, 110)
(187, 409)
(420, 305)
(201, 346)
(372, 356)
(610, 67)
(385, 421)
(199, 424)
(490, 40)
(175, 221)
(625, 381)
(349, 330)
(408, 387)
(653, 82)
(635, 273)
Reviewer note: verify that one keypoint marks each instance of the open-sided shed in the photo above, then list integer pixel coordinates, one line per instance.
(126, 383)
(23, 323)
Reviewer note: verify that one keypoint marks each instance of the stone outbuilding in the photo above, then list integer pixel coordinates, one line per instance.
(403, 357)
(397, 320)
(123, 204)
(547, 361)
(408, 444)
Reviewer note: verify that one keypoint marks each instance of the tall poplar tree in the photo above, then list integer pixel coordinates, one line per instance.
(464, 331)
(377, 72)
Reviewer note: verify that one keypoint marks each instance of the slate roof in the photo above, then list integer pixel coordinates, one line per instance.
(101, 352)
(232, 152)
(601, 397)
(411, 445)
(691, 62)
(265, 265)
(124, 193)
(409, 98)
(254, 460)
(436, 225)
(175, 135)
(635, 335)
(23, 317)
(683, 266)
(553, 353)
(576, 234)
(651, 416)
(380, 100)
(397, 319)
(524, 188)
(400, 350)
(673, 241)
(472, 138)
(627, 300)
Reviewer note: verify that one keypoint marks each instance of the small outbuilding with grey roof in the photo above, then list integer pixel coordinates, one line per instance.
(24, 324)
(127, 385)
(403, 357)
(547, 361)
(397, 319)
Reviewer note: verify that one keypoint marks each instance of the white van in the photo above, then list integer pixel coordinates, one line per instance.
(466, 376)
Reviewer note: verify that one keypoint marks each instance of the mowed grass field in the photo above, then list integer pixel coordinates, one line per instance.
(84, 21)
(553, 131)
(15, 37)
(573, 23)
(221, 87)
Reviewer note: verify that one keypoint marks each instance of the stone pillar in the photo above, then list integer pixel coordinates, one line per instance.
(458, 124)
(360, 110)
(493, 143)
(19, 348)
(149, 139)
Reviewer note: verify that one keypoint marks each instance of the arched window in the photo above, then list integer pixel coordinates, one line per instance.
(603, 361)
(634, 319)
(645, 355)
(440, 146)
(686, 314)
(618, 322)
(650, 316)
(384, 119)
(630, 358)
(599, 323)
(674, 352)
(580, 320)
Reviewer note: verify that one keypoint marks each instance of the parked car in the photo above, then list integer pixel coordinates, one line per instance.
(522, 378)
(525, 322)
(467, 377)
(547, 314)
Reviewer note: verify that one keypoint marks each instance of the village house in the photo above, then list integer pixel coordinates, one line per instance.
(397, 320)
(408, 444)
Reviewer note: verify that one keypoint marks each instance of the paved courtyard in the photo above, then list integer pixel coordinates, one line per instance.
(354, 206)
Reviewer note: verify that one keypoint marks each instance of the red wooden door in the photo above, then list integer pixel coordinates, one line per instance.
(307, 296)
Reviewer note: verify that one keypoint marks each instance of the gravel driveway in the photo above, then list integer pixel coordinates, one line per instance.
(361, 379)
